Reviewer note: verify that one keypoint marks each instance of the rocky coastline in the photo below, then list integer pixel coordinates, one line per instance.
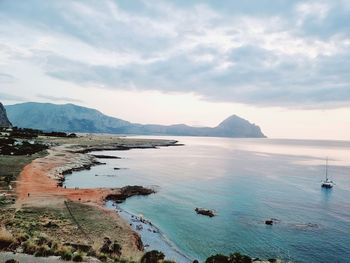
(40, 188)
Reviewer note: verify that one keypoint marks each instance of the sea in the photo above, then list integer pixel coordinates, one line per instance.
(245, 181)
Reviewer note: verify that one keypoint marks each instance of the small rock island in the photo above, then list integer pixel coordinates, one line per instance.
(205, 212)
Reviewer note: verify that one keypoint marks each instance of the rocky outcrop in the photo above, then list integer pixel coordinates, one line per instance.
(128, 191)
(205, 212)
(271, 221)
(4, 121)
(105, 156)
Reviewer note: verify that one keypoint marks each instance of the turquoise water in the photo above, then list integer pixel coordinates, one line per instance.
(246, 181)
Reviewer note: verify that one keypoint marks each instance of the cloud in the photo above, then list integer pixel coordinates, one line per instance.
(6, 78)
(11, 97)
(267, 53)
(55, 99)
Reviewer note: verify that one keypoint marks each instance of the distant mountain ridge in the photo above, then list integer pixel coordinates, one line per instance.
(73, 118)
(4, 121)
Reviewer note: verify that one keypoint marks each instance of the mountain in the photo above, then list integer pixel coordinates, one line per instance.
(73, 118)
(4, 121)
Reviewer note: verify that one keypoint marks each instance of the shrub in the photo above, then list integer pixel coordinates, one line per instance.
(218, 258)
(77, 257)
(102, 257)
(6, 238)
(43, 239)
(65, 253)
(21, 237)
(55, 248)
(43, 251)
(116, 248)
(29, 247)
(66, 256)
(152, 257)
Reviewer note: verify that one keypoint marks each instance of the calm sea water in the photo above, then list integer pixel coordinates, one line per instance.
(246, 181)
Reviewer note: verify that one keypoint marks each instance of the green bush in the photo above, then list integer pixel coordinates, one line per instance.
(29, 247)
(66, 256)
(102, 257)
(43, 251)
(42, 239)
(152, 256)
(77, 257)
(22, 237)
(218, 258)
(65, 253)
(116, 248)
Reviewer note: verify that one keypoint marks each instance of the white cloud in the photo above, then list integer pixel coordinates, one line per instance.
(252, 57)
(316, 10)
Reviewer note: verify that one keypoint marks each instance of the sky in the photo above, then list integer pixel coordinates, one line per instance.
(282, 64)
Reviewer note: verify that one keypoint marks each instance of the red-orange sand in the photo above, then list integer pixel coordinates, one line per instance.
(37, 187)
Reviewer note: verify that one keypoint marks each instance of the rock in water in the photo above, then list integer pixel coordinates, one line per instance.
(269, 222)
(205, 212)
(4, 121)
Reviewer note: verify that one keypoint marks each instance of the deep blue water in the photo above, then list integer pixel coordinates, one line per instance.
(246, 181)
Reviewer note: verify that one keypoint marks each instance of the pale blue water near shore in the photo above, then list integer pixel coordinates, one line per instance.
(246, 181)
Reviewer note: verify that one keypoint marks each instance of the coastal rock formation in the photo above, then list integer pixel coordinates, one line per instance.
(4, 121)
(105, 156)
(271, 221)
(205, 212)
(128, 191)
(73, 118)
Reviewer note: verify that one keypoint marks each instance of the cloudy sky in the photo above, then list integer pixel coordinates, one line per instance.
(282, 64)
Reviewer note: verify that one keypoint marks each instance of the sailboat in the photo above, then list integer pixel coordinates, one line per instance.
(327, 183)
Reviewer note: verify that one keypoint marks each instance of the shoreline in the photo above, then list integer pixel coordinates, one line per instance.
(38, 184)
(151, 235)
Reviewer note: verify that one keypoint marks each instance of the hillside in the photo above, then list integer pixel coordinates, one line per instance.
(4, 121)
(73, 118)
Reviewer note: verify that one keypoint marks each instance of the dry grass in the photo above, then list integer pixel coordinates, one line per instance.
(6, 238)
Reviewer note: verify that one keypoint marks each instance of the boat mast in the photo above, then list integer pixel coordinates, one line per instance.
(327, 169)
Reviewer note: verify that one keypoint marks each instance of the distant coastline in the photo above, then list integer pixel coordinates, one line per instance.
(74, 118)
